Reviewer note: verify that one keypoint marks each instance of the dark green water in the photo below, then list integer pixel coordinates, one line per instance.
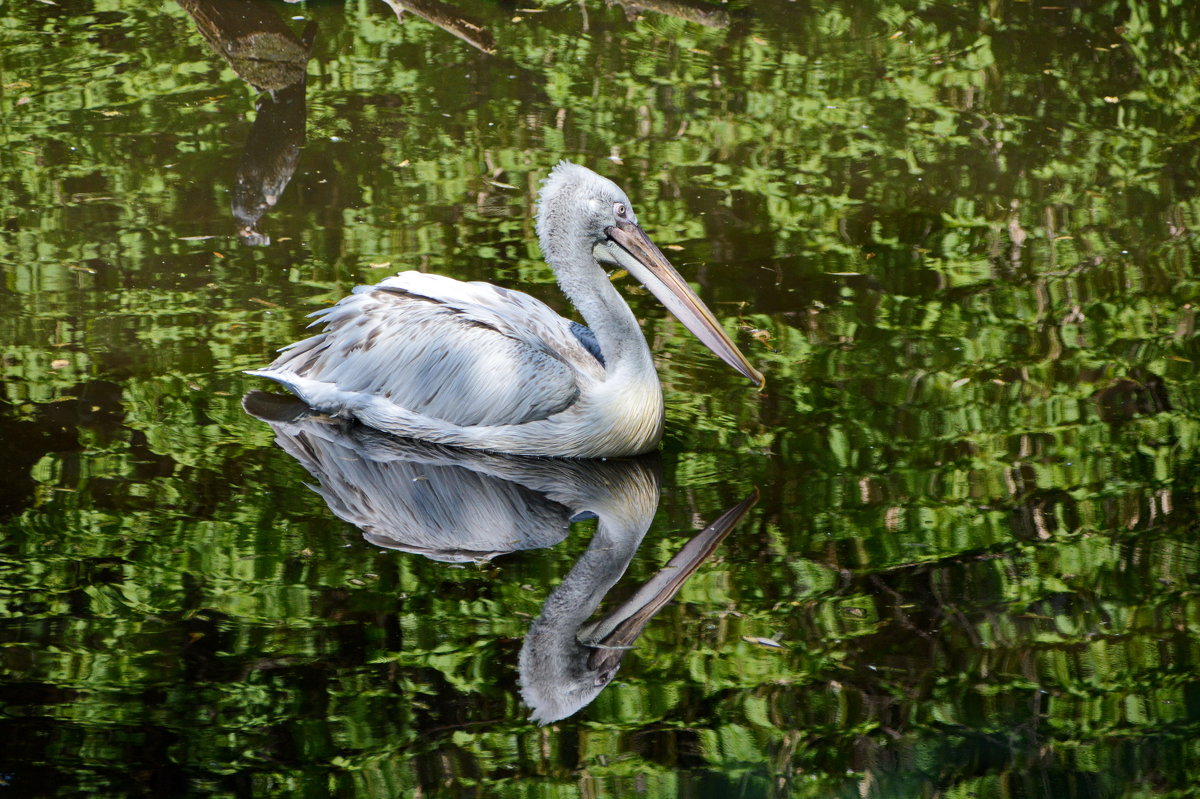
(958, 238)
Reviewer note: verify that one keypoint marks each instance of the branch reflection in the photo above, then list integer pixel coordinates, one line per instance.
(449, 19)
(266, 54)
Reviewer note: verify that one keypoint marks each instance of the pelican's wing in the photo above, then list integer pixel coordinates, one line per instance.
(465, 353)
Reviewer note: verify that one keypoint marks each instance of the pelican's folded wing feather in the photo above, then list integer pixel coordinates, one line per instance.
(465, 353)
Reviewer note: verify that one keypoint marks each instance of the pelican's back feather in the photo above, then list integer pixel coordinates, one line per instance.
(463, 353)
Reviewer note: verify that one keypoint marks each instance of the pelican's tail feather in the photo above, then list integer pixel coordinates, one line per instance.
(370, 409)
(285, 379)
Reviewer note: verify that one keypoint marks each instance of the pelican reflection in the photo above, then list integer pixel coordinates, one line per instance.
(457, 505)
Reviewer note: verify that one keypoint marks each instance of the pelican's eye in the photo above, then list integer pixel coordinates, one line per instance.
(620, 210)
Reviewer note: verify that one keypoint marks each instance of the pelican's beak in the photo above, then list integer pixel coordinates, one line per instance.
(641, 258)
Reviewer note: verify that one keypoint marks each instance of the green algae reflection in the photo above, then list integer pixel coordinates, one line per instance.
(958, 238)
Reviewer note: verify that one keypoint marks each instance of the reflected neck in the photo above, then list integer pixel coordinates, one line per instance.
(576, 598)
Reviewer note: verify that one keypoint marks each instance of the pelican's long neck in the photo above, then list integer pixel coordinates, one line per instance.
(605, 311)
(567, 208)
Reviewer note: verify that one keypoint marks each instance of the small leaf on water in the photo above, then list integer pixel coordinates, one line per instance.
(754, 639)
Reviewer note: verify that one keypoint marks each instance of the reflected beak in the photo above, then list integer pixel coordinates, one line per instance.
(641, 258)
(613, 635)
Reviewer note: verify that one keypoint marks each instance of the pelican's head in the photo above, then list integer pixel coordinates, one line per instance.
(578, 206)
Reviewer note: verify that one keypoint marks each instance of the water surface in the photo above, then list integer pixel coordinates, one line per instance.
(957, 238)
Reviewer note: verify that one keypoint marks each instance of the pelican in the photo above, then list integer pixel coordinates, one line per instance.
(475, 365)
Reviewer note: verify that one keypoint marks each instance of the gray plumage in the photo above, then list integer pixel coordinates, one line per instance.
(478, 366)
(426, 342)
